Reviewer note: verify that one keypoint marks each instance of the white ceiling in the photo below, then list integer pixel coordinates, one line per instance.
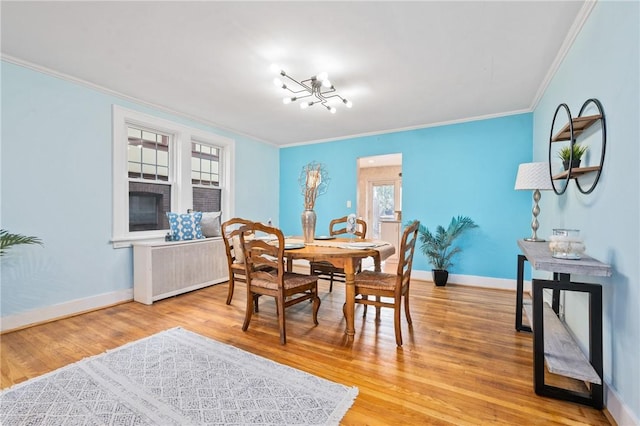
(403, 64)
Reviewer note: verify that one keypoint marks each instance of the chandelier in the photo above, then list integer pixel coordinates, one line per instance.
(318, 88)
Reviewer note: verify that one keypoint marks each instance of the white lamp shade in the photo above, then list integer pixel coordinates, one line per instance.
(533, 176)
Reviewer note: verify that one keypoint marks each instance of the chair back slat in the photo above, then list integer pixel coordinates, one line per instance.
(231, 229)
(339, 226)
(405, 255)
(262, 251)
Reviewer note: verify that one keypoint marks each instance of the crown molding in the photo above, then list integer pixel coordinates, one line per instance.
(406, 129)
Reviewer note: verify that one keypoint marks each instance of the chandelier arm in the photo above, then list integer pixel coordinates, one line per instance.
(333, 96)
(329, 90)
(299, 83)
(296, 91)
(302, 97)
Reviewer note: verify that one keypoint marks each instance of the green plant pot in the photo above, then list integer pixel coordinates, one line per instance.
(574, 164)
(440, 277)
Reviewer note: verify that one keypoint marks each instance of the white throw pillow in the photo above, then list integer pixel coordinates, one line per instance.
(210, 224)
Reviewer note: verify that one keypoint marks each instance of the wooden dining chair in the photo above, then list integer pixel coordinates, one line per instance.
(394, 286)
(235, 256)
(288, 288)
(325, 269)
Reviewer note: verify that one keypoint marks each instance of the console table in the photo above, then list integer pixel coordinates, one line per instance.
(551, 340)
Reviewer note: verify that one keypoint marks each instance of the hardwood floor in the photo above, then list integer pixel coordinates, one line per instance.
(462, 361)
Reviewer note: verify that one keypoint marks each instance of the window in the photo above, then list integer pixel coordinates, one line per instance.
(160, 166)
(149, 185)
(205, 177)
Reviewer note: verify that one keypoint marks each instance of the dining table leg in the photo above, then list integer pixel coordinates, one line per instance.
(376, 263)
(350, 296)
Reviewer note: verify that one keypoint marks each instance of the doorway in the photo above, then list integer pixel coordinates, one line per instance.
(379, 191)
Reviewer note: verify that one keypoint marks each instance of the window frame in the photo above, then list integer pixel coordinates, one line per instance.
(182, 137)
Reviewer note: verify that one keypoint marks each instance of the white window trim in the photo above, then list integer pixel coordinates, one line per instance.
(180, 164)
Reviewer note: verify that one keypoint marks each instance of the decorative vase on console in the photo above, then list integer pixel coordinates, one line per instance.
(313, 181)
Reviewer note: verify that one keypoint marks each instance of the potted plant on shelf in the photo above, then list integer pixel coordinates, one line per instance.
(7, 240)
(438, 246)
(565, 155)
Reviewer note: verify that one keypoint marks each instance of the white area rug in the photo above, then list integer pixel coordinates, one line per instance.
(176, 377)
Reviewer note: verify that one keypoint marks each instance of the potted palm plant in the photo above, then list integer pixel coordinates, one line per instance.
(565, 155)
(7, 240)
(439, 248)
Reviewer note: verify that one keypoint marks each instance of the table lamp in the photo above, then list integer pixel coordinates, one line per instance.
(536, 177)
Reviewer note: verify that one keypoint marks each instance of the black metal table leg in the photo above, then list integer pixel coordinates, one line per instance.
(595, 343)
(595, 397)
(519, 295)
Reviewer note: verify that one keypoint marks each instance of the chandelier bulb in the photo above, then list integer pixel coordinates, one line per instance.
(304, 105)
(287, 100)
(276, 68)
(327, 83)
(322, 76)
(349, 104)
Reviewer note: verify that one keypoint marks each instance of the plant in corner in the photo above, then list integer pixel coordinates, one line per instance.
(439, 248)
(7, 240)
(565, 155)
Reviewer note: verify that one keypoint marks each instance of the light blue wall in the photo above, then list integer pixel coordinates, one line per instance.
(604, 64)
(460, 169)
(57, 185)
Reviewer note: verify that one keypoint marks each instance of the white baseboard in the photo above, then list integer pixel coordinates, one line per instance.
(473, 281)
(618, 410)
(73, 307)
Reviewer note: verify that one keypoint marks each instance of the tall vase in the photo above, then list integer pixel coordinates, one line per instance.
(308, 225)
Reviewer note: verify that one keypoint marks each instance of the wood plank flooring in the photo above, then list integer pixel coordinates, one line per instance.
(462, 362)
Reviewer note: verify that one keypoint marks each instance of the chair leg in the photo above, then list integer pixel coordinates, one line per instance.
(255, 303)
(378, 308)
(331, 283)
(396, 322)
(406, 307)
(230, 293)
(316, 306)
(281, 321)
(248, 311)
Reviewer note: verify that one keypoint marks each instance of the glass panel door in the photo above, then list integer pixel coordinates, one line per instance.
(382, 196)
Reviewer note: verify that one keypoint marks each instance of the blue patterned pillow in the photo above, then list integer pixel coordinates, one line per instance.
(185, 226)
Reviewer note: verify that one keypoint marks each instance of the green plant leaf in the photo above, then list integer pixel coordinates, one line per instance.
(438, 247)
(7, 240)
(578, 151)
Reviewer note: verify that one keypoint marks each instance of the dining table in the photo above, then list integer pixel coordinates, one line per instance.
(342, 253)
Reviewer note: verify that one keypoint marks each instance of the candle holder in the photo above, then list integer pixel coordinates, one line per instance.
(566, 244)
